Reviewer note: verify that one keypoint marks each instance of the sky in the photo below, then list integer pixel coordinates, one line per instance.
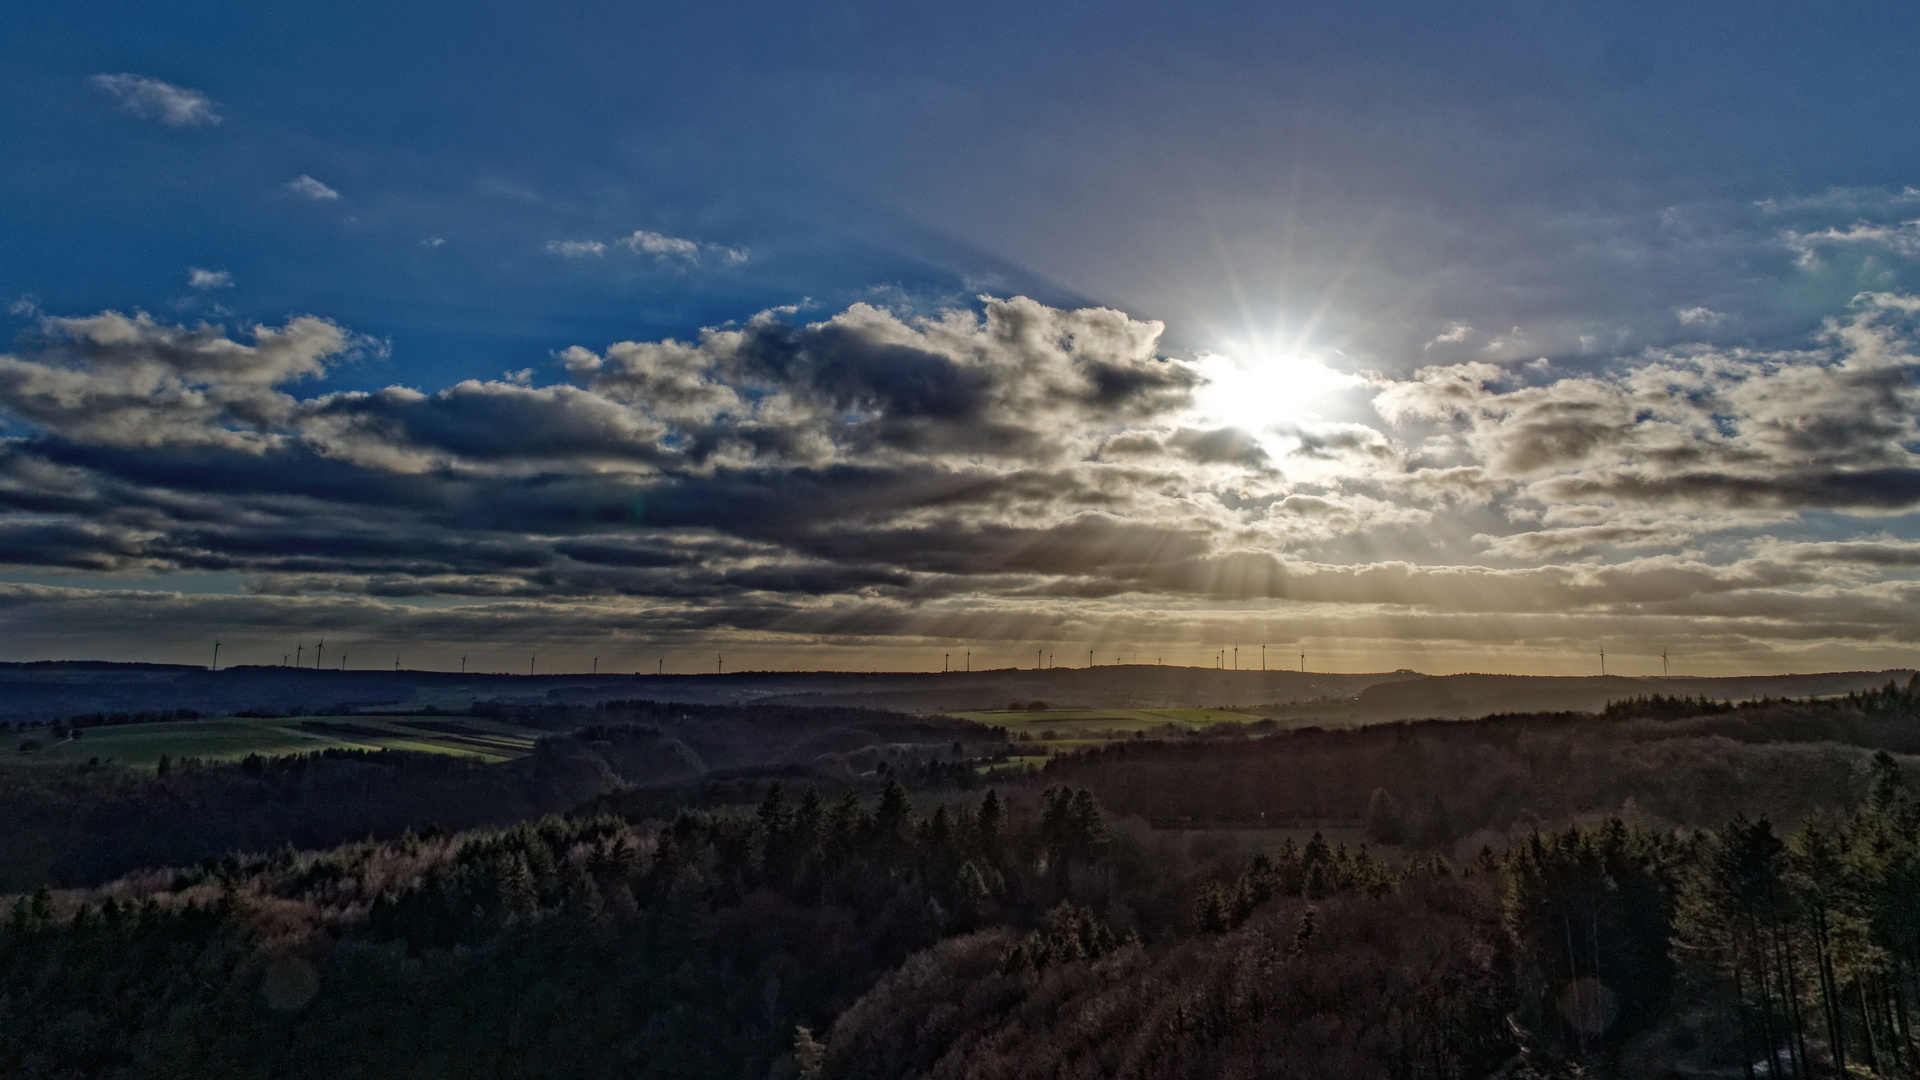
(1472, 337)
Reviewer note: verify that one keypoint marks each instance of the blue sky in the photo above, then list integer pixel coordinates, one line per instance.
(1323, 192)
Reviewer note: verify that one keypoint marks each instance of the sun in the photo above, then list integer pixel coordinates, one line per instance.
(1259, 390)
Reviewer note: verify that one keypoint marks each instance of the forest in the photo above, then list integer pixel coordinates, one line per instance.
(1672, 887)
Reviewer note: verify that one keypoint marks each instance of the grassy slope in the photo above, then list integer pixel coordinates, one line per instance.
(232, 738)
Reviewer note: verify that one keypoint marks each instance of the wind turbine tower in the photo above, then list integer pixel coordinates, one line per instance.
(216, 655)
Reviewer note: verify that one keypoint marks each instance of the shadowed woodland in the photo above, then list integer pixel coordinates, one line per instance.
(1667, 889)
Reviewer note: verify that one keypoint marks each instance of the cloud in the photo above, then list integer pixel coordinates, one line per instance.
(653, 243)
(1700, 316)
(174, 106)
(209, 279)
(307, 187)
(1003, 469)
(1901, 239)
(118, 380)
(660, 247)
(666, 247)
(1829, 426)
(1455, 332)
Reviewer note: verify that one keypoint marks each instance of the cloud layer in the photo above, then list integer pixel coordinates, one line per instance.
(1008, 474)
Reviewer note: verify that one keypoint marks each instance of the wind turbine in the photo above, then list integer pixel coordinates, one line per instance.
(463, 663)
(216, 654)
(719, 664)
(1603, 661)
(298, 649)
(1663, 663)
(319, 651)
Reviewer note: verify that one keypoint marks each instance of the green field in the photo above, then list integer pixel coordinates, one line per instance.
(232, 738)
(1040, 733)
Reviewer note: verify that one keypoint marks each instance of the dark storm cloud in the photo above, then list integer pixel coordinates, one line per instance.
(70, 544)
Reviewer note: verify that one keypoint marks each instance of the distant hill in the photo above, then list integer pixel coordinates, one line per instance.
(1479, 695)
(44, 691)
(55, 690)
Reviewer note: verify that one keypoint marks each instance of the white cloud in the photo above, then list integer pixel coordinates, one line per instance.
(660, 244)
(1455, 332)
(118, 380)
(1700, 316)
(1902, 239)
(311, 188)
(433, 242)
(174, 106)
(576, 249)
(209, 279)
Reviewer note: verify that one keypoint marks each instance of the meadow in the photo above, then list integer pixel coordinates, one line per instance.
(1038, 734)
(232, 738)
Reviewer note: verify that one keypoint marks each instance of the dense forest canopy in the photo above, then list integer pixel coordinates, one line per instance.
(1667, 885)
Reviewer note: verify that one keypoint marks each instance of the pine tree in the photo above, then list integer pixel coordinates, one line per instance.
(990, 826)
(1384, 822)
(809, 1057)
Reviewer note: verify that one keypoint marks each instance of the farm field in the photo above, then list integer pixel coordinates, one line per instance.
(231, 738)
